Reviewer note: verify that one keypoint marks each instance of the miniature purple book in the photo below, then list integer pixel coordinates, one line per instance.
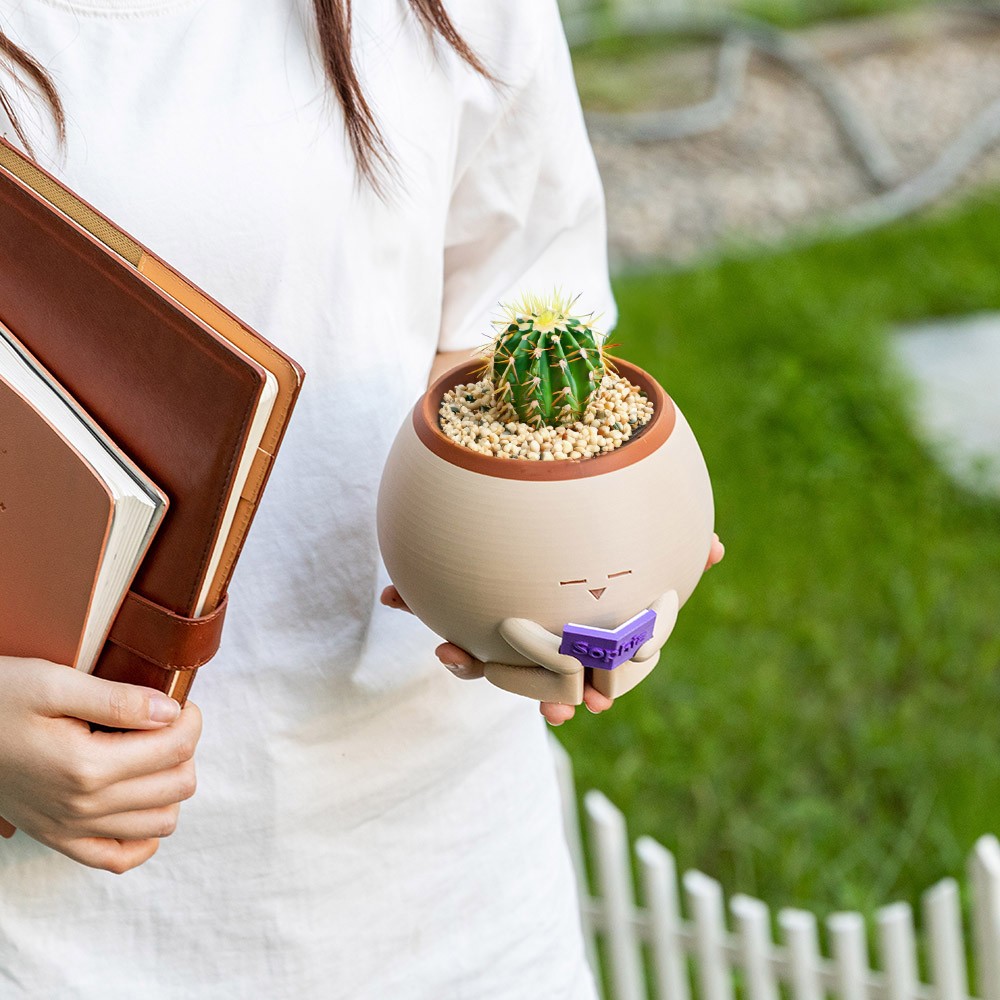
(607, 648)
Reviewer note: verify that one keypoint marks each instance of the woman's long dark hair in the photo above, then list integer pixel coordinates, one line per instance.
(333, 19)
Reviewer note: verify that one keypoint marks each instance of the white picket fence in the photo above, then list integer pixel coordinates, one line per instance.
(654, 951)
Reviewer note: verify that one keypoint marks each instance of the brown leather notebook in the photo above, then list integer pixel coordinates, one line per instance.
(76, 518)
(196, 398)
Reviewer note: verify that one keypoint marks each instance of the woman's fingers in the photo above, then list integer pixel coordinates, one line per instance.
(595, 701)
(142, 824)
(121, 756)
(116, 856)
(715, 553)
(465, 666)
(462, 664)
(391, 599)
(154, 791)
(107, 703)
(556, 713)
(101, 798)
(456, 659)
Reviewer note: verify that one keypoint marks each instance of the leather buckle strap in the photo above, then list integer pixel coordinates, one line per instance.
(168, 640)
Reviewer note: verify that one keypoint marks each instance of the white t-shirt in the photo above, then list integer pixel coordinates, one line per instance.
(366, 825)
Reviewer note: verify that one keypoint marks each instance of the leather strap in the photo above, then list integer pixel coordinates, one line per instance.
(168, 640)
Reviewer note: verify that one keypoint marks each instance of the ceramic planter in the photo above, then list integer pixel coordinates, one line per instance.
(543, 569)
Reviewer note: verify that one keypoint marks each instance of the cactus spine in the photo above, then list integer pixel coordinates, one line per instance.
(546, 362)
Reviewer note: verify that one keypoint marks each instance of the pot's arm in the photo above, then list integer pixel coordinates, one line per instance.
(537, 643)
(666, 607)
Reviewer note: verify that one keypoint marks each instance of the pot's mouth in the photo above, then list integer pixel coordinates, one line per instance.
(644, 442)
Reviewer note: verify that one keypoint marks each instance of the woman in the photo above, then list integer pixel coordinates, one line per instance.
(365, 826)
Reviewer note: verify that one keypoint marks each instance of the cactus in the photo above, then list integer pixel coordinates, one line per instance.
(546, 362)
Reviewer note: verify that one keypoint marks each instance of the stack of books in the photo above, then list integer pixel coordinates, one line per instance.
(139, 421)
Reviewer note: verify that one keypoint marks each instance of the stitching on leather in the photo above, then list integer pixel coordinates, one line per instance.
(160, 663)
(243, 528)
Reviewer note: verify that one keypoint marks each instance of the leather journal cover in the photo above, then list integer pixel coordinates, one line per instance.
(76, 519)
(74, 544)
(198, 401)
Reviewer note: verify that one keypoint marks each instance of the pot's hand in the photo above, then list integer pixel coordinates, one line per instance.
(537, 643)
(462, 664)
(666, 607)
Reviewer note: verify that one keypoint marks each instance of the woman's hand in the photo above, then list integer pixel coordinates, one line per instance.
(103, 799)
(715, 553)
(466, 667)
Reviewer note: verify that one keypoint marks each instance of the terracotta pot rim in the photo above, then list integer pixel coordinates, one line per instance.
(643, 443)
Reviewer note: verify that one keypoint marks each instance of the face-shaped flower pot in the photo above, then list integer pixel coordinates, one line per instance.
(500, 555)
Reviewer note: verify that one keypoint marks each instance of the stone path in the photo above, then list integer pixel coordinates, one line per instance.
(955, 366)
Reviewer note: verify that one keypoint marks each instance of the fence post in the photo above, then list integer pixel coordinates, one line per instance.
(714, 974)
(898, 950)
(849, 947)
(946, 949)
(613, 913)
(984, 869)
(659, 881)
(614, 881)
(802, 942)
(753, 932)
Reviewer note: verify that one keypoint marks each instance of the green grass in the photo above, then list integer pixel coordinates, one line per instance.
(801, 13)
(824, 727)
(632, 74)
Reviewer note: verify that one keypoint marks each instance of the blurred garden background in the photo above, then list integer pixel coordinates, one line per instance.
(823, 730)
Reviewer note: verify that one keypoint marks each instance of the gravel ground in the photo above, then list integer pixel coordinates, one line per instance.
(780, 161)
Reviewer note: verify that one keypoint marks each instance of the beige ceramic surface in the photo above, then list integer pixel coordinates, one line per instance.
(467, 550)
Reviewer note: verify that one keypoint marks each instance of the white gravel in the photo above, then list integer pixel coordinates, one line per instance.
(470, 417)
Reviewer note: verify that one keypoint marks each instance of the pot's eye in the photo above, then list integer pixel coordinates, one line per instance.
(624, 572)
(570, 583)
